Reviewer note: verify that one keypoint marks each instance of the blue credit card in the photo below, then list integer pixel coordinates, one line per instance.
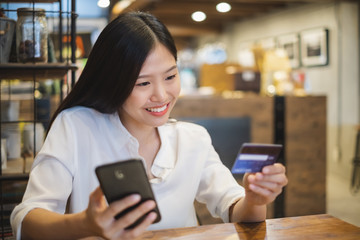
(253, 157)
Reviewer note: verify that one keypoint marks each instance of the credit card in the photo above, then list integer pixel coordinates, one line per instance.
(253, 157)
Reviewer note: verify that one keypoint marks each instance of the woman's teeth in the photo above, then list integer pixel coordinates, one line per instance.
(157, 109)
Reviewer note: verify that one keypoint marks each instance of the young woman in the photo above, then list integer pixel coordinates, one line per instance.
(119, 109)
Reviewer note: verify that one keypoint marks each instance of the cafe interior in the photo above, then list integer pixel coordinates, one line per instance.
(259, 71)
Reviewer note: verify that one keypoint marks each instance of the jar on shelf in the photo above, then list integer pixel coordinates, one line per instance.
(31, 35)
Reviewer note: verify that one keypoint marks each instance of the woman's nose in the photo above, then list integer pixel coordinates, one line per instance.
(159, 93)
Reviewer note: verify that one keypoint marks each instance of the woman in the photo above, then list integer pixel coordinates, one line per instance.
(119, 109)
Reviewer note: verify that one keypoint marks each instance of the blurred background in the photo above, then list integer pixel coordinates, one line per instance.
(276, 71)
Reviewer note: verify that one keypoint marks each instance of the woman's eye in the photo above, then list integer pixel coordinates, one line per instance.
(142, 84)
(171, 77)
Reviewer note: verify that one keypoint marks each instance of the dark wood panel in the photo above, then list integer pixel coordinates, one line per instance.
(259, 109)
(306, 155)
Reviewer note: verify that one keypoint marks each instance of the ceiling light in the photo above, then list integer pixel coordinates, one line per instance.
(120, 6)
(198, 16)
(223, 7)
(103, 3)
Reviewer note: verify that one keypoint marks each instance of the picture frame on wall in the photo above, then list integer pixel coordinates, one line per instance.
(291, 44)
(314, 47)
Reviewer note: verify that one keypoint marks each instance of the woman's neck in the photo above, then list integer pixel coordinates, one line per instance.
(149, 141)
(149, 145)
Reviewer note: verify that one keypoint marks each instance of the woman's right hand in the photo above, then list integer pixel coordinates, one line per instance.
(101, 217)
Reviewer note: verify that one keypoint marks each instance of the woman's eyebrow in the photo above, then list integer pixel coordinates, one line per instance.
(168, 70)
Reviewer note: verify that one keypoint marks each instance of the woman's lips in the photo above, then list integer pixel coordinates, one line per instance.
(158, 111)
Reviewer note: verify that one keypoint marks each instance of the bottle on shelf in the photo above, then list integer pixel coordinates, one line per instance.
(31, 35)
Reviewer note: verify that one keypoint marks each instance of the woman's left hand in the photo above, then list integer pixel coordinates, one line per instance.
(263, 187)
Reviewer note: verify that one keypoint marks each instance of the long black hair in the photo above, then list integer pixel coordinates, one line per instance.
(115, 62)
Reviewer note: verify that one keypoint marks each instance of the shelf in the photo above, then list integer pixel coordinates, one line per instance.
(16, 97)
(14, 177)
(38, 71)
(32, 1)
(18, 166)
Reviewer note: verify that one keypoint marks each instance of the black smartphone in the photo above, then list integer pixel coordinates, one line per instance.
(253, 157)
(120, 179)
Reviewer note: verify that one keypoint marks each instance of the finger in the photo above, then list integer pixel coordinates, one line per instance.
(96, 194)
(274, 169)
(251, 178)
(116, 227)
(138, 230)
(120, 205)
(271, 186)
(265, 192)
(279, 179)
(271, 182)
(97, 202)
(131, 217)
(259, 190)
(96, 197)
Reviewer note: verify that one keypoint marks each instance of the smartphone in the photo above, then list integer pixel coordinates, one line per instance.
(120, 179)
(253, 157)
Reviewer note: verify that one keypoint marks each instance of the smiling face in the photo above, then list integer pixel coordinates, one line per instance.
(155, 93)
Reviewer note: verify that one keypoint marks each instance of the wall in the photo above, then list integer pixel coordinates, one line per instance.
(339, 80)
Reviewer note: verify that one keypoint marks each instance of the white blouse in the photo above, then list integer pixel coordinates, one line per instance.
(186, 168)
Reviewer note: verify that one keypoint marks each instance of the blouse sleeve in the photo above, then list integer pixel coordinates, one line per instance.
(218, 188)
(50, 180)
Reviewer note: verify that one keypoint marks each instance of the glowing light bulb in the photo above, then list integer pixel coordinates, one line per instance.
(198, 16)
(103, 3)
(223, 7)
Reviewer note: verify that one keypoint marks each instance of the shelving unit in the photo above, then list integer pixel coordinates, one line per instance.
(13, 179)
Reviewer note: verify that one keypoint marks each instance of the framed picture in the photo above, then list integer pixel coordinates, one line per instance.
(290, 43)
(314, 47)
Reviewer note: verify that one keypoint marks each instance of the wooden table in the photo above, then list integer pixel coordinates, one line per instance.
(311, 227)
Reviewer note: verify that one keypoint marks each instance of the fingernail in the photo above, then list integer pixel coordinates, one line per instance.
(252, 186)
(151, 204)
(259, 176)
(250, 178)
(136, 197)
(152, 216)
